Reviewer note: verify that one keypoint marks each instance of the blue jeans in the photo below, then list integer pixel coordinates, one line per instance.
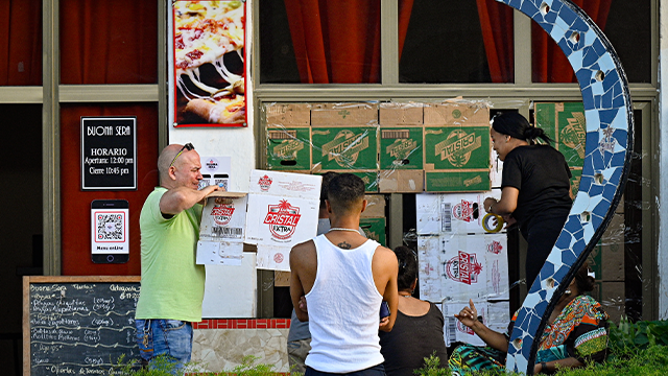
(173, 339)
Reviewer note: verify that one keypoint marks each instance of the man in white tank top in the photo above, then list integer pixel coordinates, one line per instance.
(345, 277)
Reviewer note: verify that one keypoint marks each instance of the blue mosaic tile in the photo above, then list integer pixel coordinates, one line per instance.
(587, 97)
(607, 151)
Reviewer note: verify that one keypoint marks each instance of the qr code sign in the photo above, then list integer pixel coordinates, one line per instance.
(110, 227)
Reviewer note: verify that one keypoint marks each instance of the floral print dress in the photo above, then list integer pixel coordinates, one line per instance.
(580, 331)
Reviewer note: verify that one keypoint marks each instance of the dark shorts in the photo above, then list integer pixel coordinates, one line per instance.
(378, 370)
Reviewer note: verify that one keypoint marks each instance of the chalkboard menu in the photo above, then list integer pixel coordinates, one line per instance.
(78, 325)
(108, 153)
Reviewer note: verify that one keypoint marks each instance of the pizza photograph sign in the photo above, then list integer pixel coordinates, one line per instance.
(207, 63)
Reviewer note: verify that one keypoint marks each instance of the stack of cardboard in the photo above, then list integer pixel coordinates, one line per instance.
(373, 219)
(289, 137)
(389, 145)
(401, 147)
(459, 261)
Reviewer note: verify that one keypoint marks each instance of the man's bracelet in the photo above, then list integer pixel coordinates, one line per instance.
(543, 367)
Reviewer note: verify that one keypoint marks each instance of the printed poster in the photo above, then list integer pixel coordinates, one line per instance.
(207, 63)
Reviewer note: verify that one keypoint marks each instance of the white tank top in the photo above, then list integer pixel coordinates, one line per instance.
(343, 309)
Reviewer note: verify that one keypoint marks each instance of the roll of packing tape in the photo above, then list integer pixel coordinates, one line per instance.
(499, 223)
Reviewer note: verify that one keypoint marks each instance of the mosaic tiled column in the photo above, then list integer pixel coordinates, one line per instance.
(608, 148)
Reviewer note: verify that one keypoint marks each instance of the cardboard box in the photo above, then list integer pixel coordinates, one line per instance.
(329, 114)
(374, 228)
(289, 114)
(401, 148)
(401, 113)
(369, 177)
(401, 181)
(344, 148)
(456, 147)
(281, 279)
(463, 267)
(288, 148)
(576, 174)
(457, 113)
(282, 212)
(607, 259)
(375, 207)
(565, 123)
(457, 181)
(460, 214)
(495, 316)
(222, 229)
(612, 297)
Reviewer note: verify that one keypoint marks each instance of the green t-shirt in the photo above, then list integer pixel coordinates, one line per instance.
(172, 286)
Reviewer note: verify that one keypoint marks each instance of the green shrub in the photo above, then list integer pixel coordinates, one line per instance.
(630, 336)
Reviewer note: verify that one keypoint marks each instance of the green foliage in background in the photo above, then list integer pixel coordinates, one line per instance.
(628, 336)
(639, 348)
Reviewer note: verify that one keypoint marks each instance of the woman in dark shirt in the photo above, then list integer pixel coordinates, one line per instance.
(418, 331)
(535, 186)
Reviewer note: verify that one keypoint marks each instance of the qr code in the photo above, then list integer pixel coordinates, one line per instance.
(110, 227)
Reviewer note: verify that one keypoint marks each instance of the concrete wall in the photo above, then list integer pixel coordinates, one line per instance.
(230, 291)
(663, 162)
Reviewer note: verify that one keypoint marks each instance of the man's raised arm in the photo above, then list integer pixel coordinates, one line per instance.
(179, 199)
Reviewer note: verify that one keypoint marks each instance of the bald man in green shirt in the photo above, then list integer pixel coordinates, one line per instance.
(172, 285)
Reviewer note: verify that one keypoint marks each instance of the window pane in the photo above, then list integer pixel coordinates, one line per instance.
(21, 43)
(320, 42)
(625, 23)
(457, 41)
(108, 41)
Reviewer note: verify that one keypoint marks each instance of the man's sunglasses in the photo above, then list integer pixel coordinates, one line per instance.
(187, 147)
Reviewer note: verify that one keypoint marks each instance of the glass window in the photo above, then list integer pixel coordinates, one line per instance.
(21, 43)
(108, 42)
(456, 41)
(320, 42)
(625, 23)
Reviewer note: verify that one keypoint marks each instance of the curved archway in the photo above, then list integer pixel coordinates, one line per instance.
(608, 147)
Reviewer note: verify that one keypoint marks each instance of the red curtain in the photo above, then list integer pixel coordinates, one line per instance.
(339, 41)
(549, 62)
(108, 42)
(496, 22)
(21, 43)
(75, 203)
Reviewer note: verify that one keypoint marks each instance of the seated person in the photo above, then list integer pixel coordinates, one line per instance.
(418, 331)
(576, 333)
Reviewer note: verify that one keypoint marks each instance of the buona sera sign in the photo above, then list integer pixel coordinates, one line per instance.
(108, 153)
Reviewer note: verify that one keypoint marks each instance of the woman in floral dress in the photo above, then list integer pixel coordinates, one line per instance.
(576, 333)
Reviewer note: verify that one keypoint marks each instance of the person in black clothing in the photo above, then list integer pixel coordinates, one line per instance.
(418, 331)
(535, 186)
